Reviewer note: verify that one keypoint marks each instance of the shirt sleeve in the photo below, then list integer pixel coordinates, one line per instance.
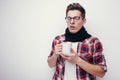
(98, 56)
(52, 48)
(55, 41)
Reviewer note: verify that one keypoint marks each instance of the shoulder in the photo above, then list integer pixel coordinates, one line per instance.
(59, 38)
(96, 44)
(94, 39)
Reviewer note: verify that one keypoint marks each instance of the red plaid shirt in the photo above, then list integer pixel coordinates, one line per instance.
(89, 50)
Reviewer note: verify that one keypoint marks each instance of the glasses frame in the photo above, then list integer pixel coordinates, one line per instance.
(75, 18)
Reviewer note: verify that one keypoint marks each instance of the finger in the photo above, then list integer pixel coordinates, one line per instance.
(72, 51)
(62, 55)
(59, 45)
(65, 57)
(58, 51)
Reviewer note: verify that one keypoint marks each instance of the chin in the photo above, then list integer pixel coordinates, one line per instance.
(73, 31)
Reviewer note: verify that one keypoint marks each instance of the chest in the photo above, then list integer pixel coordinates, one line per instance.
(85, 51)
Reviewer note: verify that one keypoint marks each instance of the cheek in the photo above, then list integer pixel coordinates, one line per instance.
(78, 26)
(68, 24)
(80, 23)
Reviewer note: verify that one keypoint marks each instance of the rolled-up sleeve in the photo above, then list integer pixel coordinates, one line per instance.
(98, 56)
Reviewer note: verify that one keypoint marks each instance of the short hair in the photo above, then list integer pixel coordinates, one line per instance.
(76, 6)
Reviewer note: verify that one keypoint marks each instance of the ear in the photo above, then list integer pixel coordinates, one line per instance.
(84, 21)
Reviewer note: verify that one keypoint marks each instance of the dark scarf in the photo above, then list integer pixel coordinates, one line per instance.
(80, 36)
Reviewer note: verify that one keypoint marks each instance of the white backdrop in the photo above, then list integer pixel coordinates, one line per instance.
(27, 28)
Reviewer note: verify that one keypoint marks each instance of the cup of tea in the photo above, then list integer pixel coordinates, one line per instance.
(66, 47)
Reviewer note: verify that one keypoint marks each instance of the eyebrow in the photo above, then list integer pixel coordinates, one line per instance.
(74, 16)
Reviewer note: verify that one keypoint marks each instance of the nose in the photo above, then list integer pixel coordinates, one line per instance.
(72, 21)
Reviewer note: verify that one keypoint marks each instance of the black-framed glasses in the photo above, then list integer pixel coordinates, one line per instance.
(76, 18)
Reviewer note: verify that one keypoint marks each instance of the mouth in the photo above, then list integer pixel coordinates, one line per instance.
(72, 27)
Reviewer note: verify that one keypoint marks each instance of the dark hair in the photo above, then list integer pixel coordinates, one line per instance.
(76, 6)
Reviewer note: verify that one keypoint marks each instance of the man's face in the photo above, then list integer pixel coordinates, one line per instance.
(74, 21)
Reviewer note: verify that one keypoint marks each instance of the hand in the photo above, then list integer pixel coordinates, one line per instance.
(53, 59)
(58, 49)
(72, 57)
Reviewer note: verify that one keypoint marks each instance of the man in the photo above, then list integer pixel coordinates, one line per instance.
(88, 58)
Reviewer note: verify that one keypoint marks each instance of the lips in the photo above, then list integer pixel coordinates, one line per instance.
(72, 27)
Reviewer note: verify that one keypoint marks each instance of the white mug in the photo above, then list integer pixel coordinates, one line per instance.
(66, 47)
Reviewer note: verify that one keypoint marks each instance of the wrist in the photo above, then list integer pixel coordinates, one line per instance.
(78, 61)
(55, 55)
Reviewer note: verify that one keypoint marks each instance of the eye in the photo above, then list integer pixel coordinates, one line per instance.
(68, 18)
(76, 17)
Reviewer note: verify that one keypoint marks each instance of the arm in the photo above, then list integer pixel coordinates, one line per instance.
(90, 68)
(53, 58)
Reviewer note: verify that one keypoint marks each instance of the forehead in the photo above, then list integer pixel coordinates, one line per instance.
(73, 13)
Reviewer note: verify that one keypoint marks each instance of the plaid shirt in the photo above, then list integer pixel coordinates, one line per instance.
(89, 50)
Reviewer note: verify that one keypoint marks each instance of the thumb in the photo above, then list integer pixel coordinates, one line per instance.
(72, 51)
